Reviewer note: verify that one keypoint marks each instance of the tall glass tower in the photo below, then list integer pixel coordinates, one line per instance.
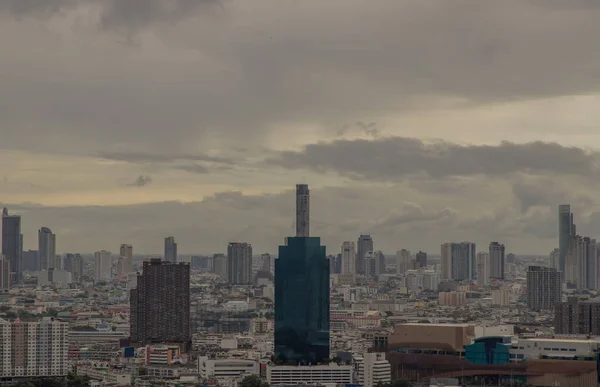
(566, 229)
(302, 299)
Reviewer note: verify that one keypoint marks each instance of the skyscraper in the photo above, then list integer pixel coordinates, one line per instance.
(302, 300)
(160, 305)
(77, 267)
(126, 252)
(496, 260)
(170, 249)
(543, 288)
(402, 261)
(458, 261)
(4, 273)
(220, 263)
(446, 261)
(348, 258)
(483, 269)
(47, 249)
(12, 242)
(421, 259)
(566, 229)
(239, 263)
(30, 260)
(102, 265)
(364, 245)
(302, 210)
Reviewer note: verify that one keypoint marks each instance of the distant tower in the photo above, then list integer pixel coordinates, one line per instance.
(102, 265)
(566, 229)
(47, 249)
(348, 258)
(302, 210)
(239, 263)
(364, 245)
(4, 273)
(126, 252)
(496, 268)
(543, 288)
(170, 249)
(12, 242)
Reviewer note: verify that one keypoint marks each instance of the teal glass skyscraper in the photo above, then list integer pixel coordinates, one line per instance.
(302, 299)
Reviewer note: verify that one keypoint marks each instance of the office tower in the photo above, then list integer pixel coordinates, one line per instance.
(566, 229)
(47, 248)
(34, 349)
(160, 305)
(496, 260)
(265, 260)
(4, 273)
(543, 288)
(462, 261)
(239, 263)
(380, 257)
(170, 249)
(302, 210)
(30, 260)
(402, 261)
(348, 258)
(374, 369)
(77, 267)
(554, 258)
(102, 265)
(12, 242)
(576, 317)
(364, 245)
(302, 300)
(421, 259)
(483, 269)
(446, 261)
(68, 263)
(126, 251)
(220, 263)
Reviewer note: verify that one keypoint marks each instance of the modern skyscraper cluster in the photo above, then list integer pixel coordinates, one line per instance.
(160, 305)
(302, 296)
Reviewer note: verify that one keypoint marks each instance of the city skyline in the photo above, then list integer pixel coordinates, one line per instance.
(460, 125)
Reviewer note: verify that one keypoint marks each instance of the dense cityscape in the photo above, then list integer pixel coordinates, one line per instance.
(359, 317)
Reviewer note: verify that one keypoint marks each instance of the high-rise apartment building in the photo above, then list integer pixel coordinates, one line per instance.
(4, 273)
(102, 265)
(170, 249)
(335, 264)
(543, 288)
(302, 210)
(265, 262)
(302, 300)
(458, 261)
(555, 258)
(34, 349)
(160, 305)
(446, 261)
(581, 263)
(348, 258)
(566, 229)
(380, 257)
(364, 245)
(220, 263)
(12, 243)
(239, 263)
(30, 260)
(47, 249)
(371, 265)
(77, 267)
(421, 259)
(126, 252)
(483, 269)
(402, 261)
(575, 317)
(496, 260)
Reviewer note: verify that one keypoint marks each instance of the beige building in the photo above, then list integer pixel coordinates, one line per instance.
(432, 336)
(453, 298)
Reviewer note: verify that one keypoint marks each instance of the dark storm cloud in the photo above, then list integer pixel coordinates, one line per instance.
(141, 181)
(395, 158)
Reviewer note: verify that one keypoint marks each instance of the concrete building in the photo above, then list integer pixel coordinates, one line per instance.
(575, 317)
(47, 249)
(446, 261)
(170, 249)
(239, 263)
(373, 369)
(34, 349)
(453, 298)
(483, 269)
(348, 258)
(543, 288)
(416, 335)
(227, 368)
(220, 266)
(566, 229)
(30, 260)
(12, 243)
(77, 267)
(501, 297)
(364, 245)
(302, 210)
(402, 261)
(126, 252)
(496, 260)
(317, 374)
(421, 258)
(102, 265)
(4, 273)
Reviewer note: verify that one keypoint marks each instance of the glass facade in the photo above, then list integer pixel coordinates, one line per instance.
(302, 301)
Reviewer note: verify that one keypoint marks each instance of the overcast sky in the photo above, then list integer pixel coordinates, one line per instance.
(421, 122)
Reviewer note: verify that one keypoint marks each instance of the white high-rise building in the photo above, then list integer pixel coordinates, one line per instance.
(170, 249)
(348, 258)
(47, 249)
(239, 263)
(373, 369)
(483, 269)
(402, 261)
(496, 260)
(34, 349)
(126, 252)
(302, 210)
(102, 265)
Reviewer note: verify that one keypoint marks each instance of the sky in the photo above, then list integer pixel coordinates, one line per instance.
(420, 122)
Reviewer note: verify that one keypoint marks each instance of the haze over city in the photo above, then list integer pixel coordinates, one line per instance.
(417, 122)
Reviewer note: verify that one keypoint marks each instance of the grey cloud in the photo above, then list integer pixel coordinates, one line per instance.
(395, 158)
(546, 192)
(151, 157)
(413, 213)
(141, 181)
(193, 168)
